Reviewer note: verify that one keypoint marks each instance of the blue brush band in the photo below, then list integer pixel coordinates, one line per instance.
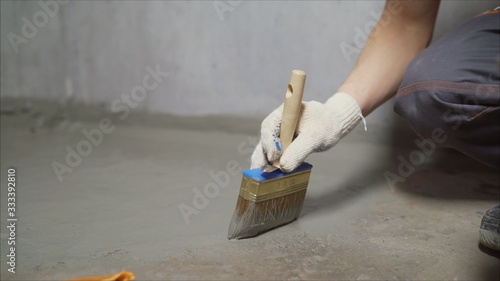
(259, 175)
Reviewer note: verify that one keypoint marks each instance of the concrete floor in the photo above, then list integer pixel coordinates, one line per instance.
(119, 208)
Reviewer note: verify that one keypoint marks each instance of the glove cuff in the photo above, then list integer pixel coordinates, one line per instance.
(347, 111)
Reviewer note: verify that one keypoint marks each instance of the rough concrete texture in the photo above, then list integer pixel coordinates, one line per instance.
(119, 208)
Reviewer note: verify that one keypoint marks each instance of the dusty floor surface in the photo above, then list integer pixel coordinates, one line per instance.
(119, 209)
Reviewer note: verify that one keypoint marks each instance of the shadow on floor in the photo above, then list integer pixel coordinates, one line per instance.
(343, 193)
(490, 252)
(446, 174)
(452, 175)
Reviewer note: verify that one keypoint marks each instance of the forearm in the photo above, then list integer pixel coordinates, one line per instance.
(386, 55)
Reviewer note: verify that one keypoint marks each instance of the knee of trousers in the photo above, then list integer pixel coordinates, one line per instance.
(424, 111)
(463, 116)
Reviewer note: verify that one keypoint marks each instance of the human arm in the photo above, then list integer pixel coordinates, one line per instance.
(393, 43)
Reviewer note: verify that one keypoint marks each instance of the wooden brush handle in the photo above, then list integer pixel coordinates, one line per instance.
(291, 109)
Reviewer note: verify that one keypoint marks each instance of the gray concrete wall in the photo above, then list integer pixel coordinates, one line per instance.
(222, 57)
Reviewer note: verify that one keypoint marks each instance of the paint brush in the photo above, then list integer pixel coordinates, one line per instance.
(268, 197)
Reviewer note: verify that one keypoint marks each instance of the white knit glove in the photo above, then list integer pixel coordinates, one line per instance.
(319, 128)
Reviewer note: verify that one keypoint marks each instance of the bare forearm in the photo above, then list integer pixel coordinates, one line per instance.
(387, 53)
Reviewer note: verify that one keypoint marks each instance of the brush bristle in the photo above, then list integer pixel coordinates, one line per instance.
(252, 218)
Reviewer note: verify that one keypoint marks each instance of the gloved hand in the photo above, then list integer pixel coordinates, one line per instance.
(319, 128)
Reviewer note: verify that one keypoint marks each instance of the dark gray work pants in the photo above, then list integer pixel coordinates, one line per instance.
(450, 93)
